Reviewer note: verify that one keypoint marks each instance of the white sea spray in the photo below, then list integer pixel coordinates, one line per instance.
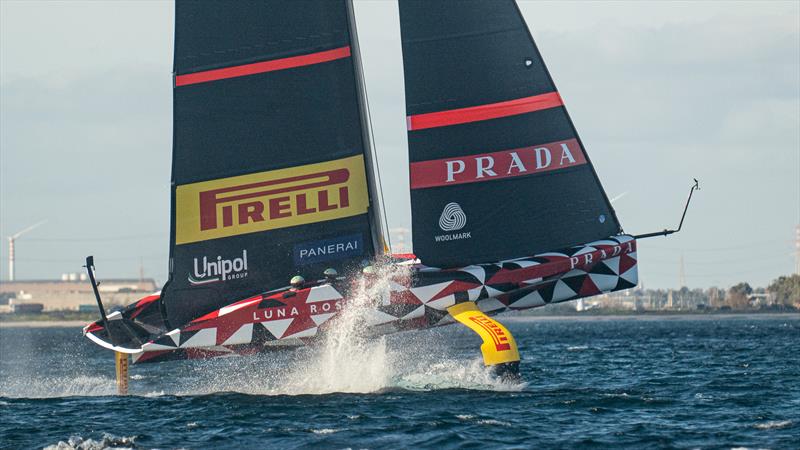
(41, 385)
(773, 424)
(348, 359)
(108, 441)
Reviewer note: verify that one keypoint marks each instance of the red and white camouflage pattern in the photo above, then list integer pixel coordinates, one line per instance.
(417, 299)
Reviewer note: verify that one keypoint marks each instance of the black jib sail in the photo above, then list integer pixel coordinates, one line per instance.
(269, 165)
(497, 168)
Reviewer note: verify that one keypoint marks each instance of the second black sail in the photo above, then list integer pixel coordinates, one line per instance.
(497, 168)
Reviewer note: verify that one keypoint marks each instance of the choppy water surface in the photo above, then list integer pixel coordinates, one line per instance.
(641, 383)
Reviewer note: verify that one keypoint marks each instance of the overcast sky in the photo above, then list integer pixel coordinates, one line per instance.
(659, 92)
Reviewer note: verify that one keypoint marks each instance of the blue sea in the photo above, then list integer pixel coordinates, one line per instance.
(637, 382)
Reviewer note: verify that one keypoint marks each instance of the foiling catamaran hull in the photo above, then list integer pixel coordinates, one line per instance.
(421, 297)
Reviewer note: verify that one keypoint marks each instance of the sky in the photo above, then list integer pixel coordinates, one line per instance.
(660, 92)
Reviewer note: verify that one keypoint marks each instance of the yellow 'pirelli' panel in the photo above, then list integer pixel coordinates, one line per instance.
(498, 345)
(270, 200)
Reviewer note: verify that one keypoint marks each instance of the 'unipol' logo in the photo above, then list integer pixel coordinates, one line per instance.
(452, 218)
(206, 271)
(271, 200)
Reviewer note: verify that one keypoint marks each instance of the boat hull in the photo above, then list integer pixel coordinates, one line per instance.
(413, 296)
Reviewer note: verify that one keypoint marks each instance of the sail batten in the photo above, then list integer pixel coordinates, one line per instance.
(263, 66)
(484, 112)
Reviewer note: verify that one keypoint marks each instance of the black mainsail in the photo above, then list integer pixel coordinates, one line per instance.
(497, 168)
(270, 168)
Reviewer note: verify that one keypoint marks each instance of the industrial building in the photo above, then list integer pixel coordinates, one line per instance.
(72, 293)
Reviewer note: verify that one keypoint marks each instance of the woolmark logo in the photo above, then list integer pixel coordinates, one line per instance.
(453, 218)
(206, 272)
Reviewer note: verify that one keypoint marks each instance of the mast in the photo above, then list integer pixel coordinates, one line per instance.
(373, 179)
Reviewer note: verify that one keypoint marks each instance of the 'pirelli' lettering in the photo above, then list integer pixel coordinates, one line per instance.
(270, 200)
(499, 338)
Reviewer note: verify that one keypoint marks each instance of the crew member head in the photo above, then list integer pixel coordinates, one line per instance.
(297, 282)
(330, 274)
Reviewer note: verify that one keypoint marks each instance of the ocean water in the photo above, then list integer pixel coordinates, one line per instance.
(692, 382)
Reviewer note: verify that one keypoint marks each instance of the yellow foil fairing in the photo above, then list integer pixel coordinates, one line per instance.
(498, 345)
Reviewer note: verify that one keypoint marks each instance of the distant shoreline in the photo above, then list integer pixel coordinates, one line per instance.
(510, 318)
(652, 317)
(43, 324)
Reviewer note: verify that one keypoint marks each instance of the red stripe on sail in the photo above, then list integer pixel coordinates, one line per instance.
(484, 112)
(496, 165)
(262, 67)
